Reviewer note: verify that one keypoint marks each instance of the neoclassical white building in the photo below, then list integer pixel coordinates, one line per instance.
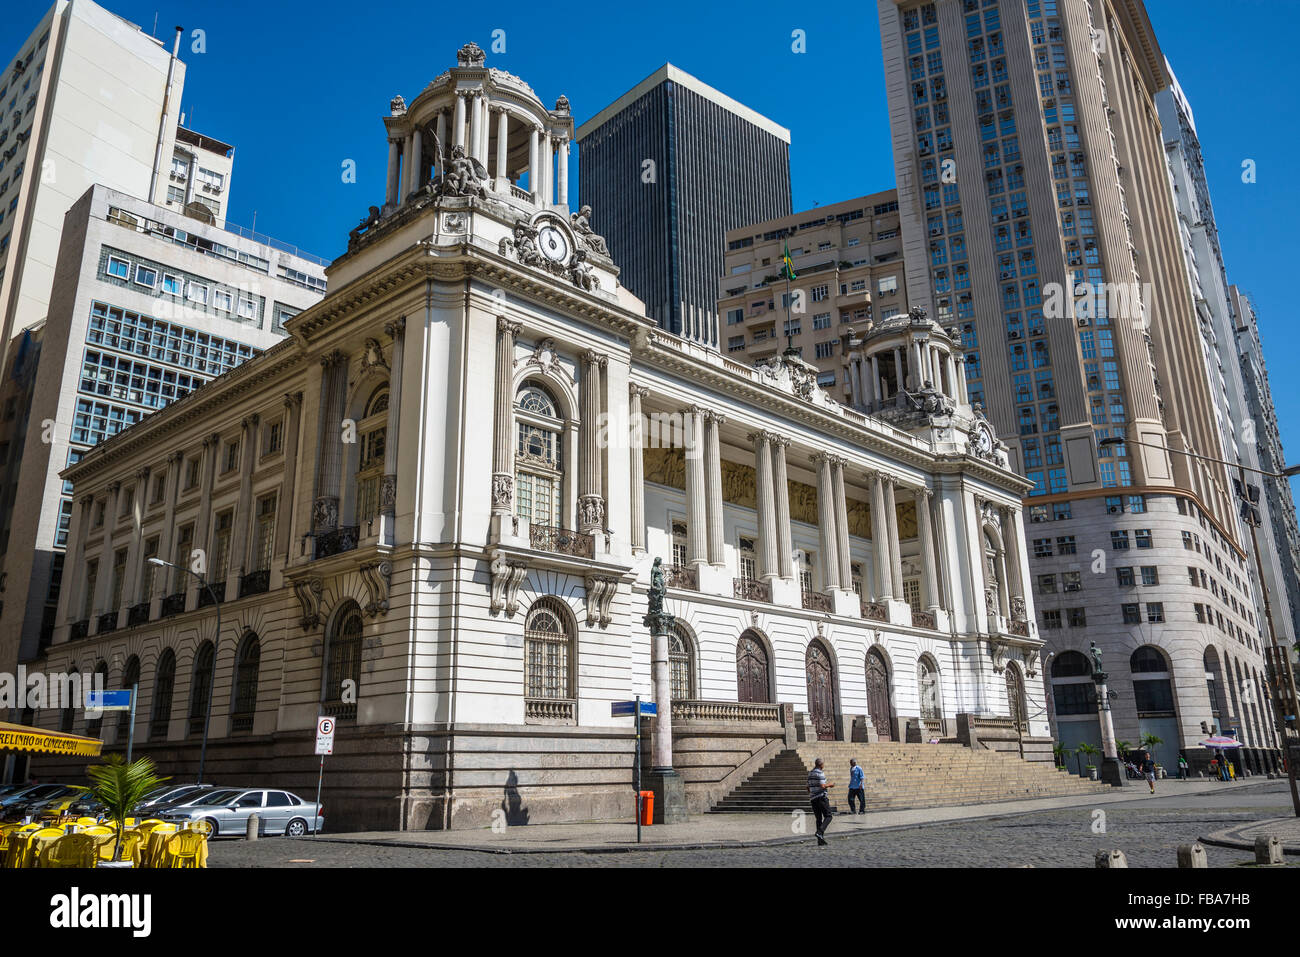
(432, 513)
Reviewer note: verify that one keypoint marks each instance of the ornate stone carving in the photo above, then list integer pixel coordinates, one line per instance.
(600, 595)
(308, 592)
(998, 651)
(1030, 657)
(372, 358)
(592, 510)
(581, 273)
(546, 359)
(388, 494)
(562, 104)
(1017, 608)
(791, 374)
(397, 106)
(377, 577)
(453, 223)
(471, 54)
(462, 175)
(366, 223)
(325, 512)
(503, 491)
(507, 576)
(581, 222)
(523, 245)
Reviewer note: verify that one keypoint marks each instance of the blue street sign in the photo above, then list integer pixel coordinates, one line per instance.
(108, 700)
(628, 708)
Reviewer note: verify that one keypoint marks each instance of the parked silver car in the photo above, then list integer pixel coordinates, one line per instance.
(278, 812)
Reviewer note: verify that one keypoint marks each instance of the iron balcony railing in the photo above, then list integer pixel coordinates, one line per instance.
(255, 583)
(682, 576)
(212, 594)
(818, 601)
(173, 604)
(137, 614)
(108, 622)
(79, 630)
(337, 540)
(562, 541)
(751, 589)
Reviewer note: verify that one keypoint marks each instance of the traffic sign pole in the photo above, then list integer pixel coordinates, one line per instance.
(636, 769)
(324, 746)
(130, 734)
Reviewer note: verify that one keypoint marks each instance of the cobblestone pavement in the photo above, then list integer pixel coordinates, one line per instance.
(1147, 831)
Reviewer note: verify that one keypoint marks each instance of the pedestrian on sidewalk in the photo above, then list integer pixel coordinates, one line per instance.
(1148, 766)
(1214, 768)
(819, 794)
(856, 789)
(1182, 766)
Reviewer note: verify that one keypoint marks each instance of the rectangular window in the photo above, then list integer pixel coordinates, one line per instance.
(197, 292)
(119, 268)
(1051, 619)
(1142, 537)
(1078, 617)
(273, 439)
(1042, 547)
(264, 542)
(1155, 612)
(1150, 576)
(1047, 584)
(92, 576)
(1124, 576)
(1072, 581)
(171, 285)
(221, 530)
(147, 568)
(1065, 545)
(146, 276)
(1132, 614)
(1119, 541)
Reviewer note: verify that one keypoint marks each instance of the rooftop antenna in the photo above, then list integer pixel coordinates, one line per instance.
(154, 34)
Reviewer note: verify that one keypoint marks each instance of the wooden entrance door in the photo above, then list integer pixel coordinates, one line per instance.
(882, 713)
(821, 690)
(1016, 699)
(752, 682)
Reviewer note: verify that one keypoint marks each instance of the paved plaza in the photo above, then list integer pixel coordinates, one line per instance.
(1021, 834)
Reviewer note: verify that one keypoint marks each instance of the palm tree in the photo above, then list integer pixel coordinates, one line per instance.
(1123, 747)
(1061, 753)
(1088, 749)
(1149, 741)
(120, 787)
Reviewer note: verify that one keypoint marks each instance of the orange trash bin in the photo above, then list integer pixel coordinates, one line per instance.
(647, 808)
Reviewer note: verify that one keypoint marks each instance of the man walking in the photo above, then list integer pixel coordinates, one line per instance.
(1148, 767)
(818, 793)
(856, 790)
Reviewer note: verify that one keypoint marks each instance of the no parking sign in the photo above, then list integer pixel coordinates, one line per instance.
(324, 735)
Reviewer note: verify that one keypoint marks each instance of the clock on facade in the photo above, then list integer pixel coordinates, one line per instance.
(553, 242)
(982, 440)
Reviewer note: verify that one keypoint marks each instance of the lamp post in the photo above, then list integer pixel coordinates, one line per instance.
(216, 643)
(1285, 677)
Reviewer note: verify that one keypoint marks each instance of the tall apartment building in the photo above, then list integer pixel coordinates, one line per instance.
(668, 168)
(86, 99)
(1030, 158)
(848, 263)
(1248, 432)
(147, 306)
(1279, 536)
(198, 180)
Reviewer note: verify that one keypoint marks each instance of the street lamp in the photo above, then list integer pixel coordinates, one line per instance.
(1282, 663)
(212, 679)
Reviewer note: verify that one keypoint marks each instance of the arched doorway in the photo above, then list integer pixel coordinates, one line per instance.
(878, 706)
(1016, 705)
(752, 681)
(820, 674)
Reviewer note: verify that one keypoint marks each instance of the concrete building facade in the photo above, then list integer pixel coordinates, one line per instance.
(848, 266)
(1030, 157)
(484, 443)
(669, 168)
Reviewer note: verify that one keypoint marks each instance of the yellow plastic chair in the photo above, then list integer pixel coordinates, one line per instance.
(87, 821)
(132, 842)
(71, 850)
(99, 829)
(187, 849)
(200, 827)
(148, 825)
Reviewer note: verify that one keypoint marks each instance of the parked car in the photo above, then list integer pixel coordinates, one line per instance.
(170, 794)
(23, 802)
(185, 800)
(279, 812)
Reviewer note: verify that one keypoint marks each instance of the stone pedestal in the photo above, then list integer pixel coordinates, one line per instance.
(1111, 772)
(670, 795)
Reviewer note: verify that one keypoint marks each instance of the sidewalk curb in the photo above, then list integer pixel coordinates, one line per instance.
(1228, 838)
(1119, 796)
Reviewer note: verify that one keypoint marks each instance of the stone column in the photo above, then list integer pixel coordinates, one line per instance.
(830, 555)
(167, 540)
(877, 387)
(202, 521)
(458, 122)
(534, 162)
(713, 479)
(74, 569)
(767, 534)
(475, 125)
(891, 522)
(563, 176)
(417, 161)
(131, 586)
(880, 538)
(388, 484)
(442, 137)
(241, 534)
(288, 479)
(1011, 541)
(900, 383)
(329, 455)
(962, 395)
(503, 474)
(637, 462)
(394, 161)
(503, 140)
(696, 530)
(591, 501)
(781, 483)
(408, 161)
(925, 532)
(842, 525)
(546, 158)
(104, 584)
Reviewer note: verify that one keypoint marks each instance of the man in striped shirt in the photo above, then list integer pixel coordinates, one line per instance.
(818, 792)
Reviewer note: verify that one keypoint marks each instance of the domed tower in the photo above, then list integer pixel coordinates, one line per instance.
(480, 139)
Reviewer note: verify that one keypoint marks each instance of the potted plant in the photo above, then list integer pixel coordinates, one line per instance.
(1091, 751)
(1060, 753)
(119, 787)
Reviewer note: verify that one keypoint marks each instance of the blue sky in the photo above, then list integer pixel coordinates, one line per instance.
(299, 88)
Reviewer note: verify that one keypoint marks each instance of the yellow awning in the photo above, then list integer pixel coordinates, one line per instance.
(18, 737)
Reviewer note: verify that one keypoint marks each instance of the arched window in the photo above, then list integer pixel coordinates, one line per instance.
(201, 687)
(753, 683)
(1073, 692)
(879, 703)
(1070, 664)
(130, 679)
(1212, 685)
(163, 683)
(247, 659)
(927, 679)
(343, 663)
(681, 664)
(372, 435)
(98, 682)
(1153, 692)
(538, 459)
(548, 657)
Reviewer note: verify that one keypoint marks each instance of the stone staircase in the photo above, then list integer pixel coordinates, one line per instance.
(902, 776)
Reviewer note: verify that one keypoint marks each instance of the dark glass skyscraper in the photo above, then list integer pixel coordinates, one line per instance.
(668, 168)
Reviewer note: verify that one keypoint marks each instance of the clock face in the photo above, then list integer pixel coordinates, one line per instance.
(554, 244)
(983, 440)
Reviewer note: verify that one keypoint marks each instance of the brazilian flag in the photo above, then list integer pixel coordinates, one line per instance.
(787, 264)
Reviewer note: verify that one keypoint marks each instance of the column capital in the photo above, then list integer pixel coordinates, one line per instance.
(332, 358)
(592, 357)
(142, 474)
(509, 327)
(782, 440)
(762, 436)
(395, 328)
(249, 422)
(292, 400)
(639, 391)
(693, 410)
(114, 487)
(175, 457)
(819, 458)
(924, 491)
(715, 417)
